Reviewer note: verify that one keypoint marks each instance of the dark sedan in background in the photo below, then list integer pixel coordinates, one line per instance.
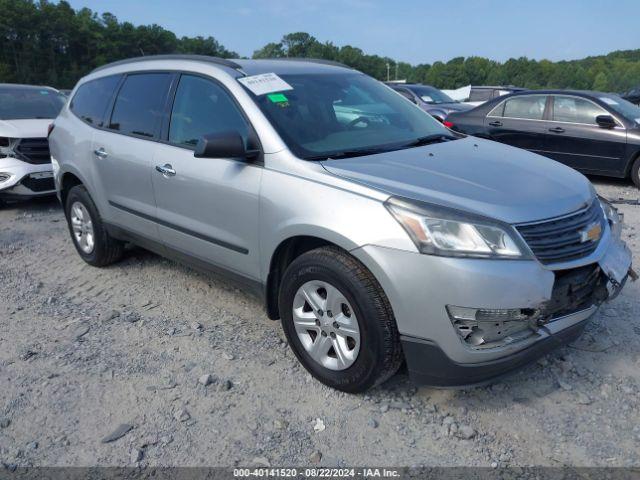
(596, 133)
(430, 99)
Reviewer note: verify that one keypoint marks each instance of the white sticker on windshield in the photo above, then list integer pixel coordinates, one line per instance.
(608, 100)
(426, 98)
(265, 83)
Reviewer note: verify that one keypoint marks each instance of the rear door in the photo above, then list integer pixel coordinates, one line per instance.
(207, 207)
(574, 138)
(123, 151)
(519, 121)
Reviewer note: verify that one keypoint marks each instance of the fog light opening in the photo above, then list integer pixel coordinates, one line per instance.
(489, 328)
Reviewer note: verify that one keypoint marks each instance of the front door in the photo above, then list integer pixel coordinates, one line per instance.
(574, 138)
(207, 207)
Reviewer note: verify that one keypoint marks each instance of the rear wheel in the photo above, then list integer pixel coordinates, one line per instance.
(635, 172)
(89, 235)
(338, 320)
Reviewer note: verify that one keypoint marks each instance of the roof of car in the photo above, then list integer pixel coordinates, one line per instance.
(248, 67)
(558, 91)
(19, 86)
(503, 87)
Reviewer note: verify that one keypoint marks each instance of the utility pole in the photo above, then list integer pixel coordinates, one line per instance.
(388, 68)
(396, 71)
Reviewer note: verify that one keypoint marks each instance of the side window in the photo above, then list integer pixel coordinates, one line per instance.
(405, 94)
(92, 99)
(202, 107)
(139, 105)
(528, 107)
(575, 110)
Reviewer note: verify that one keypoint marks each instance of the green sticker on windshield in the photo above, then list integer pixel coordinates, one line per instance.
(277, 97)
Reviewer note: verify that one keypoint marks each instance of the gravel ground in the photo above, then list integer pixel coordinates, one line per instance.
(150, 363)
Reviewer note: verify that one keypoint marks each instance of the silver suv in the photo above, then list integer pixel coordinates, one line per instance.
(373, 232)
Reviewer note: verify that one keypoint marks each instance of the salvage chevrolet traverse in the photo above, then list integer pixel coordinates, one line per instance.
(374, 233)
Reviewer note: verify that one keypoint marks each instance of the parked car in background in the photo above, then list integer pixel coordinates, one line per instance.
(632, 95)
(374, 242)
(25, 115)
(430, 99)
(597, 133)
(481, 94)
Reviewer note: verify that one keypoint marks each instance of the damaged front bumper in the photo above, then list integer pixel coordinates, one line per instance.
(22, 180)
(468, 321)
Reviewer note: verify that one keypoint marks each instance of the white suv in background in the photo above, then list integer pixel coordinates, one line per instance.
(25, 164)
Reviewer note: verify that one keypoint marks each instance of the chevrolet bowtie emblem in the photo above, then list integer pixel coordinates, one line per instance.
(591, 233)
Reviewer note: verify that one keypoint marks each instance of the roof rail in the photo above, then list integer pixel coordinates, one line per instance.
(198, 58)
(320, 61)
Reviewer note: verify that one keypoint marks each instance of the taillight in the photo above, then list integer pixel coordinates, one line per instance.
(447, 124)
(50, 129)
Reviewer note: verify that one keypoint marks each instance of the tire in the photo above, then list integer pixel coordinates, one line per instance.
(379, 354)
(635, 172)
(106, 249)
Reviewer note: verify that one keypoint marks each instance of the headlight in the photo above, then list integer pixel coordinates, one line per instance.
(447, 232)
(613, 216)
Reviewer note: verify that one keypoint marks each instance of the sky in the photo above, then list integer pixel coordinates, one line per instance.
(413, 31)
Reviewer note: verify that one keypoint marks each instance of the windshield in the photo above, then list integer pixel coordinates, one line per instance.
(623, 107)
(29, 103)
(432, 95)
(339, 115)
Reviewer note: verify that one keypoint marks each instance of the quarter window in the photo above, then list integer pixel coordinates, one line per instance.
(527, 107)
(139, 105)
(575, 110)
(92, 99)
(202, 107)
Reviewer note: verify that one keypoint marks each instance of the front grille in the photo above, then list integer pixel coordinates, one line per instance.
(562, 239)
(34, 150)
(39, 184)
(574, 290)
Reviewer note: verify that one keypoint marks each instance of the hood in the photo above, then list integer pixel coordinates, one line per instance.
(474, 175)
(25, 128)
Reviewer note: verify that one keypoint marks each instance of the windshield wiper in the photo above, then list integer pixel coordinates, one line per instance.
(348, 154)
(428, 140)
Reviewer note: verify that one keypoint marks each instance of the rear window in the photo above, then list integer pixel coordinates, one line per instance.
(529, 107)
(18, 103)
(139, 105)
(92, 99)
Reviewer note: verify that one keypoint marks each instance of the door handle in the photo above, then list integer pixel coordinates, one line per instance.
(496, 123)
(557, 130)
(166, 170)
(100, 153)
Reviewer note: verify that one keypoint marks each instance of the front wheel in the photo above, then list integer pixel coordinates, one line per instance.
(338, 320)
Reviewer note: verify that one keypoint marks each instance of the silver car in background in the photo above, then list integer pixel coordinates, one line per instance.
(376, 239)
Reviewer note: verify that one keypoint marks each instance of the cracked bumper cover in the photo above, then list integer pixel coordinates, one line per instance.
(420, 287)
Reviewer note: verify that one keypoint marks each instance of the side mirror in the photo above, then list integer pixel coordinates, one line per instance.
(605, 121)
(223, 145)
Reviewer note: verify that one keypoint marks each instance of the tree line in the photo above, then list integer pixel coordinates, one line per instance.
(53, 44)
